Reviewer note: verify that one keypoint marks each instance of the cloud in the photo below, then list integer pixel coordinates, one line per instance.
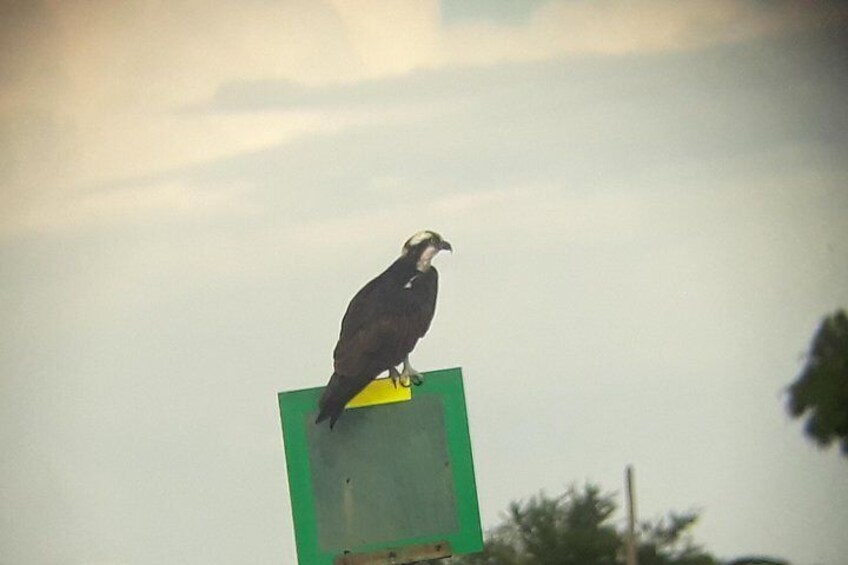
(580, 120)
(413, 37)
(121, 206)
(94, 96)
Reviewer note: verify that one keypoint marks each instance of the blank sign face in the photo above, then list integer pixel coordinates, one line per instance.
(382, 474)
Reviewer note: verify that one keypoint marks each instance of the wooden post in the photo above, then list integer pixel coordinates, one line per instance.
(632, 557)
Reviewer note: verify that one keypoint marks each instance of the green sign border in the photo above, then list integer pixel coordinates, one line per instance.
(446, 383)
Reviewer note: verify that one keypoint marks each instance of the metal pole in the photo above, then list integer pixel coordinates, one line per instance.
(632, 557)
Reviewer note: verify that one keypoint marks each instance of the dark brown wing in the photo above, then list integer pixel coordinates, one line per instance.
(384, 322)
(362, 308)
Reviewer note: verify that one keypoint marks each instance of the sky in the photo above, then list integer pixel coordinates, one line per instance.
(648, 207)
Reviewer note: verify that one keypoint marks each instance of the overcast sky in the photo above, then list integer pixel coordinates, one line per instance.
(648, 203)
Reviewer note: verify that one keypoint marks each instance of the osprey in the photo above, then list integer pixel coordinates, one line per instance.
(383, 323)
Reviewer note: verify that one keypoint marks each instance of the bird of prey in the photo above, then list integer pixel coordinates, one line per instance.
(382, 324)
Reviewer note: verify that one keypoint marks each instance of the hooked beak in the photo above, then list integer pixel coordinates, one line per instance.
(445, 246)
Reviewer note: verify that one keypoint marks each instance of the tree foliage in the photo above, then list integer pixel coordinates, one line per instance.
(668, 541)
(821, 391)
(757, 561)
(576, 528)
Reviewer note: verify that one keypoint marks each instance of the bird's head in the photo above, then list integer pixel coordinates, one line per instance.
(423, 246)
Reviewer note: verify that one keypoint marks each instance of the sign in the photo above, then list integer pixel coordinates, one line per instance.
(392, 482)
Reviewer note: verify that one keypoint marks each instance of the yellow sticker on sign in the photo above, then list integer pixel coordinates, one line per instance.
(380, 391)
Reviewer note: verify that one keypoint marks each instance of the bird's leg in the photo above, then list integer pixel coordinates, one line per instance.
(394, 375)
(409, 375)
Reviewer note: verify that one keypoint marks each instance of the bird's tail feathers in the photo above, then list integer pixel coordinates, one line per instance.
(335, 397)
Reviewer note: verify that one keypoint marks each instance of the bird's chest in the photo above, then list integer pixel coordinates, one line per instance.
(410, 282)
(403, 304)
(411, 294)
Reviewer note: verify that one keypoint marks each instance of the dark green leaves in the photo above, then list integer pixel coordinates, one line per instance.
(577, 528)
(821, 391)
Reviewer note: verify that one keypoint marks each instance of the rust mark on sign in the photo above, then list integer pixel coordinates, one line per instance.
(400, 556)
